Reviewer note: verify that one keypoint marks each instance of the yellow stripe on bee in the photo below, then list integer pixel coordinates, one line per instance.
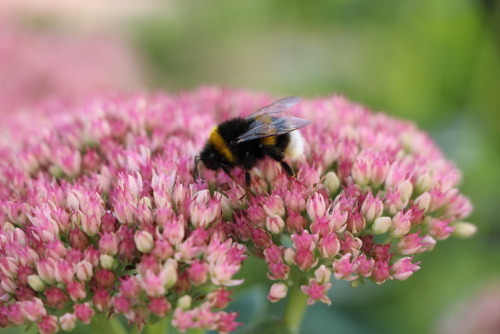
(269, 141)
(220, 145)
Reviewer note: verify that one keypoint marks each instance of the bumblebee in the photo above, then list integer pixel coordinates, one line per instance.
(243, 142)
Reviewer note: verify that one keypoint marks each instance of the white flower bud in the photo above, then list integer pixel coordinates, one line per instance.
(423, 183)
(322, 274)
(36, 283)
(331, 182)
(169, 273)
(143, 241)
(464, 229)
(423, 201)
(106, 261)
(405, 190)
(184, 302)
(381, 225)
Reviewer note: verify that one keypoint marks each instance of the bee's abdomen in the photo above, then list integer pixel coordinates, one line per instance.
(269, 141)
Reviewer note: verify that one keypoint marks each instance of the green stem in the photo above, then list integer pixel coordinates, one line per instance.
(101, 324)
(295, 308)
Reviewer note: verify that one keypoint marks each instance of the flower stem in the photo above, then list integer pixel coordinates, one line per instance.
(295, 308)
(101, 324)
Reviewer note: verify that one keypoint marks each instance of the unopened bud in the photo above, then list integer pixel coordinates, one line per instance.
(331, 182)
(106, 261)
(464, 229)
(381, 225)
(36, 283)
(184, 302)
(277, 292)
(143, 241)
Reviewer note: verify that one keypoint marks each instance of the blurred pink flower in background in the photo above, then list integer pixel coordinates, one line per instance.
(58, 67)
(99, 211)
(479, 314)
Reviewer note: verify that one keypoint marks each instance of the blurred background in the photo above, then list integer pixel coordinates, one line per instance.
(434, 62)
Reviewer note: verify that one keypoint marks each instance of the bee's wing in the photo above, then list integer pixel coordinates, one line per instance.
(276, 107)
(271, 126)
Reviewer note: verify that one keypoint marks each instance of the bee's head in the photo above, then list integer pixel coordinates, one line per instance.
(211, 158)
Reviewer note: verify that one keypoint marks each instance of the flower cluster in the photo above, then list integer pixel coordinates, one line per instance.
(101, 214)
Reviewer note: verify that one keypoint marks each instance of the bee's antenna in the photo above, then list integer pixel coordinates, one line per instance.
(195, 171)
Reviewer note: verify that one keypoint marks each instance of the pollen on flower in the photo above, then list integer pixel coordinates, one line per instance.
(100, 213)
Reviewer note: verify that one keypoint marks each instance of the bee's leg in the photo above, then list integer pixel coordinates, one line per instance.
(247, 179)
(249, 162)
(287, 168)
(226, 170)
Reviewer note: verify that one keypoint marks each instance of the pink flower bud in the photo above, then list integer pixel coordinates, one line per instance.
(380, 272)
(67, 321)
(78, 239)
(361, 172)
(440, 229)
(76, 291)
(159, 306)
(316, 206)
(274, 206)
(372, 208)
(33, 310)
(400, 225)
(48, 325)
(345, 269)
(294, 221)
(105, 278)
(364, 265)
(198, 272)
(403, 268)
(153, 284)
(63, 272)
(275, 224)
(122, 304)
(55, 297)
(101, 299)
(108, 244)
(84, 312)
(329, 245)
(277, 292)
(219, 298)
(143, 241)
(84, 271)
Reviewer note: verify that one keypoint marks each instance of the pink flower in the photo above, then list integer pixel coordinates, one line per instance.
(109, 219)
(84, 312)
(316, 292)
(403, 268)
(48, 325)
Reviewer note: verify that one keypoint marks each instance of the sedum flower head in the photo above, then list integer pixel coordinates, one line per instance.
(100, 213)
